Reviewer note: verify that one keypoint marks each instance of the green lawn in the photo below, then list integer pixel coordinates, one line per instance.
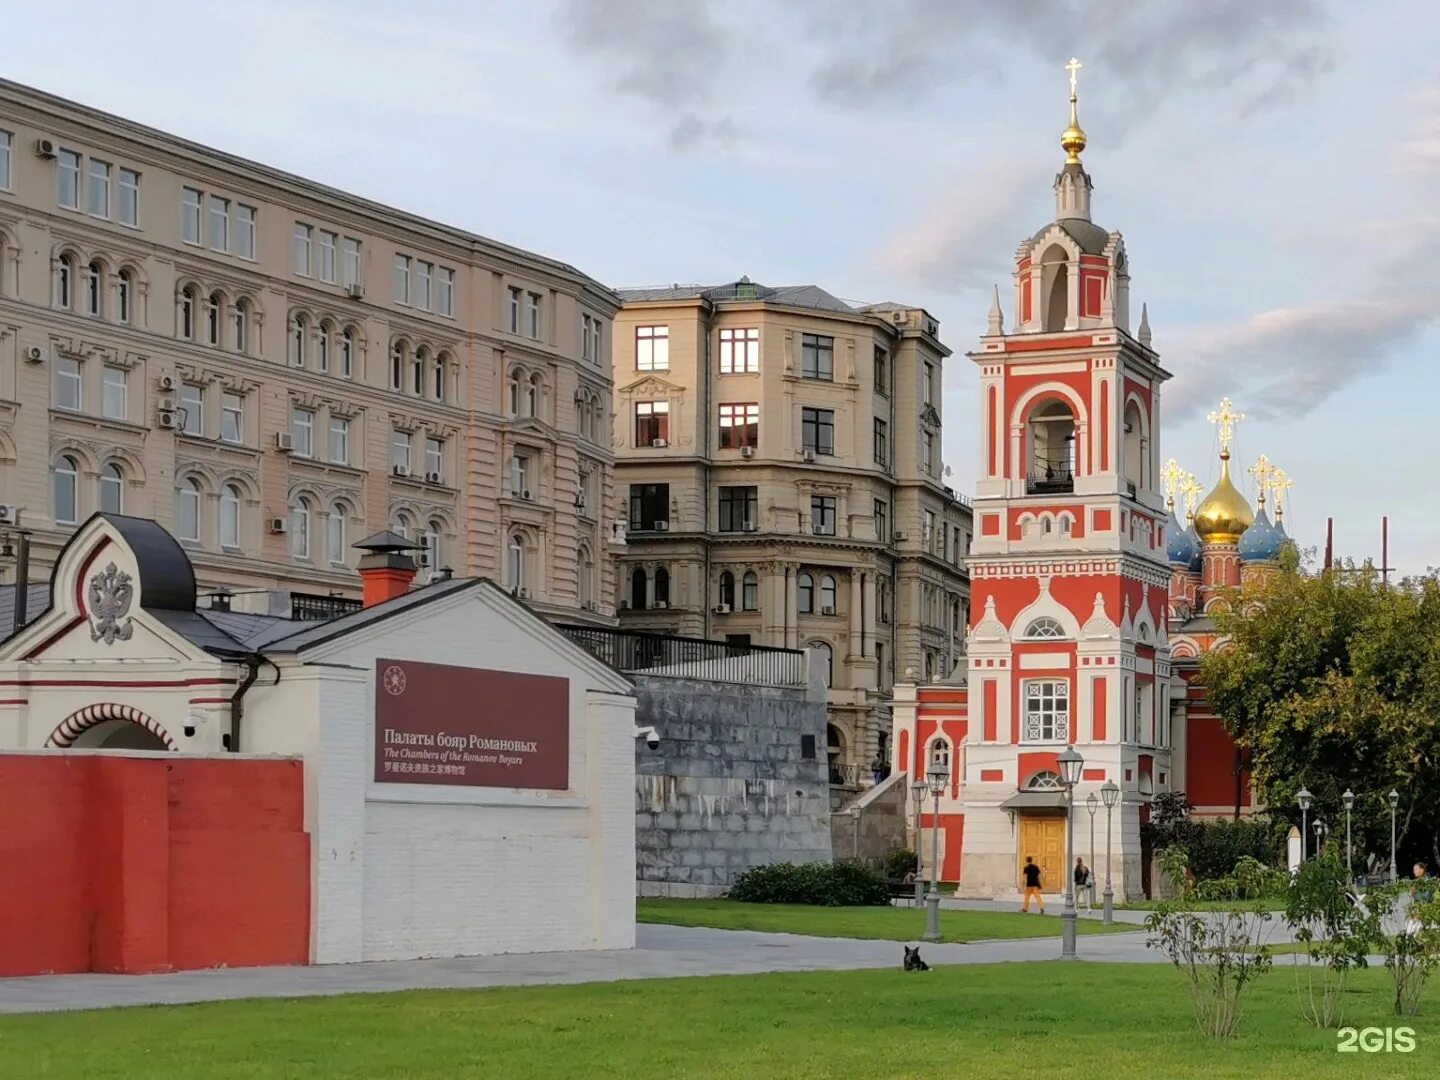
(886, 923)
(1272, 903)
(1076, 1022)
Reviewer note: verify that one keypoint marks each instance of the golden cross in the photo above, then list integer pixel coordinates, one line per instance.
(1225, 420)
(1172, 479)
(1262, 471)
(1279, 485)
(1073, 67)
(1193, 491)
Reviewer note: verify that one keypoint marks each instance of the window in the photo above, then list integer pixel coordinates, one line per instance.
(652, 422)
(299, 333)
(927, 384)
(400, 450)
(430, 541)
(129, 210)
(190, 215)
(827, 595)
(532, 396)
(662, 586)
(827, 660)
(301, 248)
(219, 223)
(649, 503)
(112, 489)
(232, 417)
(244, 232)
(339, 440)
(67, 177)
(213, 306)
(532, 313)
(66, 385)
(302, 431)
(322, 347)
(750, 591)
(805, 594)
(882, 443)
(423, 273)
(739, 426)
(187, 510)
(520, 476)
(124, 290)
(927, 453)
(882, 521)
(584, 577)
(417, 370)
(112, 394)
(65, 480)
(928, 530)
(590, 338)
(1044, 627)
(513, 322)
(240, 325)
(817, 430)
(1045, 780)
(300, 515)
(328, 241)
(1047, 710)
(437, 376)
(98, 189)
(822, 515)
(939, 752)
(7, 142)
(882, 371)
(335, 533)
(434, 458)
(727, 590)
(402, 278)
(65, 282)
(94, 276)
(189, 300)
(445, 291)
(740, 351)
(230, 516)
(738, 507)
(652, 348)
(191, 409)
(817, 357)
(347, 353)
(350, 261)
(397, 365)
(1139, 712)
(515, 562)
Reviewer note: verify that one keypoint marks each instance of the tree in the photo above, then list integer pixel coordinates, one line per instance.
(1332, 680)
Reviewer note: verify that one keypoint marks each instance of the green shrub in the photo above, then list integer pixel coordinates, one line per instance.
(900, 862)
(846, 883)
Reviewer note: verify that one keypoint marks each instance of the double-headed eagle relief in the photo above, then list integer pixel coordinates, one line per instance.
(111, 593)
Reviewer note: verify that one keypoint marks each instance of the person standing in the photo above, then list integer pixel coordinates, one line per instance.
(1032, 886)
(1084, 884)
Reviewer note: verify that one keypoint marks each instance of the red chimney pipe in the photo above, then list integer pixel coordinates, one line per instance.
(386, 571)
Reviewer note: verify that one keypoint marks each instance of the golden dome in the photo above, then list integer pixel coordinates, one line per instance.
(1073, 139)
(1223, 516)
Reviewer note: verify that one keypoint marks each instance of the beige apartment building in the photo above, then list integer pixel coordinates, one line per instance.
(274, 369)
(780, 476)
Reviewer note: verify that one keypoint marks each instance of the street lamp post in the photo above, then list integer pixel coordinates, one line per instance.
(1349, 800)
(1070, 763)
(939, 776)
(1303, 797)
(919, 789)
(1109, 795)
(1092, 803)
(1394, 803)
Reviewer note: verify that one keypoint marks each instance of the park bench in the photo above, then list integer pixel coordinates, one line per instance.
(901, 890)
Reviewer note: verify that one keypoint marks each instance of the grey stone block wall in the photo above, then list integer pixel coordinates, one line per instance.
(728, 788)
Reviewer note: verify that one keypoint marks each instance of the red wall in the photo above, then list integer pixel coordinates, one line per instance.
(134, 865)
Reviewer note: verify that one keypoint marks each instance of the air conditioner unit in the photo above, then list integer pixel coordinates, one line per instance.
(278, 526)
(900, 535)
(167, 383)
(167, 404)
(166, 419)
(659, 444)
(523, 593)
(284, 442)
(809, 457)
(662, 605)
(827, 611)
(432, 478)
(399, 470)
(525, 494)
(722, 609)
(662, 526)
(355, 291)
(35, 354)
(624, 605)
(45, 148)
(9, 515)
(747, 451)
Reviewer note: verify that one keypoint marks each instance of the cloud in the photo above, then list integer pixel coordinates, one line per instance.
(1418, 157)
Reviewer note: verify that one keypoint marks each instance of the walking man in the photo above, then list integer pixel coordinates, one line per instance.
(1032, 886)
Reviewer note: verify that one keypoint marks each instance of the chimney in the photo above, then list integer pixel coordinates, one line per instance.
(386, 570)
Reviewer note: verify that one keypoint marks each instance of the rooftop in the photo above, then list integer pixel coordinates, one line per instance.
(746, 291)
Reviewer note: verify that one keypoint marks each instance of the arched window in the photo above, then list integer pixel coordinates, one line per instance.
(1044, 781)
(417, 370)
(1055, 266)
(750, 591)
(584, 576)
(299, 340)
(124, 295)
(230, 516)
(515, 562)
(662, 586)
(65, 282)
(805, 594)
(94, 283)
(66, 490)
(347, 353)
(727, 590)
(1052, 449)
(400, 525)
(938, 752)
(240, 326)
(300, 515)
(335, 533)
(827, 595)
(430, 541)
(1044, 627)
(1134, 448)
(189, 311)
(322, 347)
(826, 660)
(532, 396)
(112, 489)
(437, 376)
(213, 306)
(639, 589)
(835, 753)
(397, 365)
(515, 392)
(187, 510)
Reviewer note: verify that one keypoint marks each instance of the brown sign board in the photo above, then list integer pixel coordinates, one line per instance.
(470, 727)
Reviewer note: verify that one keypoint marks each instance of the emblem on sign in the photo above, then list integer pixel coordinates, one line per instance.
(111, 593)
(394, 680)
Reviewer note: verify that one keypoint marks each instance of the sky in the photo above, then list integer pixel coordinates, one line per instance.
(1274, 168)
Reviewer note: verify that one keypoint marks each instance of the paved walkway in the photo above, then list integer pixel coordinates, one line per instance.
(660, 952)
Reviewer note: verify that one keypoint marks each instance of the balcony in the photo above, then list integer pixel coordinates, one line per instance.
(636, 652)
(1050, 481)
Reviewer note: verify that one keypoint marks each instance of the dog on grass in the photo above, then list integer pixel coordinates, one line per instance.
(913, 961)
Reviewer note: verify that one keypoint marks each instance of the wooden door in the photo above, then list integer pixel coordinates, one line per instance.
(1043, 839)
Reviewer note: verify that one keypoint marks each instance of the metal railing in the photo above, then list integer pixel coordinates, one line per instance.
(321, 608)
(634, 651)
(1050, 482)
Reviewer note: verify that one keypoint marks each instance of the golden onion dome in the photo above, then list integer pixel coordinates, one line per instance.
(1223, 516)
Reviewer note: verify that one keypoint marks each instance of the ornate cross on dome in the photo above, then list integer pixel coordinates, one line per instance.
(1172, 481)
(1073, 67)
(1193, 490)
(1225, 420)
(1262, 471)
(1279, 485)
